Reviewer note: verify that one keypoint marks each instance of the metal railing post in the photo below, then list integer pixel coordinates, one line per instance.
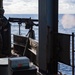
(72, 53)
(19, 28)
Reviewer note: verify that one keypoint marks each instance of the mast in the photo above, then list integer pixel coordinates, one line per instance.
(48, 27)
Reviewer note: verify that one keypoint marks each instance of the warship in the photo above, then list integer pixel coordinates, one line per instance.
(45, 54)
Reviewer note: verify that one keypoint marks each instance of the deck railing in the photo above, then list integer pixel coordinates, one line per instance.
(72, 51)
(73, 65)
(72, 40)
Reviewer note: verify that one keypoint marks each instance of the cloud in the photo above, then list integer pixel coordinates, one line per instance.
(6, 4)
(31, 6)
(67, 1)
(8, 0)
(21, 6)
(68, 21)
(70, 1)
(67, 6)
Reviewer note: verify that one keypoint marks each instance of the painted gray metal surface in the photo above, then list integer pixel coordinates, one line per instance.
(48, 25)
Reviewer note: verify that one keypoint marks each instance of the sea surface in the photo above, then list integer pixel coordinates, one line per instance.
(66, 24)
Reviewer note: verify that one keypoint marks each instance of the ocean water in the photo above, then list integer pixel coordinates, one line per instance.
(66, 25)
(15, 26)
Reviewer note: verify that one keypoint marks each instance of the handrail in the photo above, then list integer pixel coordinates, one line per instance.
(72, 53)
(73, 66)
(22, 20)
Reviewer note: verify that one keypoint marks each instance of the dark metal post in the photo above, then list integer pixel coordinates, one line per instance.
(53, 64)
(1, 3)
(72, 53)
(19, 29)
(48, 24)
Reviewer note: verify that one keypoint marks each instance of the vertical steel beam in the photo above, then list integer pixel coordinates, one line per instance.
(48, 27)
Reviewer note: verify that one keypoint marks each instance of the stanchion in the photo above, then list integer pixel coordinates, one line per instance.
(72, 53)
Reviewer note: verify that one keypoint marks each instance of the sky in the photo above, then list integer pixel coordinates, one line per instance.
(20, 6)
(67, 6)
(31, 6)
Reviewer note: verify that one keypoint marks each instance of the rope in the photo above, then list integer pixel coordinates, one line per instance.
(31, 35)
